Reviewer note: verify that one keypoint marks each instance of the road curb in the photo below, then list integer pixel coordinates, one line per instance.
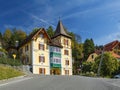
(13, 78)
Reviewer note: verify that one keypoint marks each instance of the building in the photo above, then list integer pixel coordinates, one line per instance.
(114, 48)
(48, 56)
(92, 57)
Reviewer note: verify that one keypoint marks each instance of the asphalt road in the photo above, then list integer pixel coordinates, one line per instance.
(37, 82)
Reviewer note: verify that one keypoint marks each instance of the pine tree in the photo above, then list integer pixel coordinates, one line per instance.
(88, 48)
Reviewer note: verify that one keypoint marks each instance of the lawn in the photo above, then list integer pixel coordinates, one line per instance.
(8, 72)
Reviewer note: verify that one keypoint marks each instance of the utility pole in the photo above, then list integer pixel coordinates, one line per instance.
(99, 68)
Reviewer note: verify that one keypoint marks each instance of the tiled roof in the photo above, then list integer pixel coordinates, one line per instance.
(98, 51)
(60, 30)
(110, 46)
(115, 55)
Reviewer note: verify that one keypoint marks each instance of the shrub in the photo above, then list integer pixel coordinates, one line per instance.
(10, 61)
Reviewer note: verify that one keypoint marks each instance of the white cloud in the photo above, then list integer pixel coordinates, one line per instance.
(108, 38)
(35, 18)
(106, 8)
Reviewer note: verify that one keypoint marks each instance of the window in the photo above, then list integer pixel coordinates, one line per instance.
(27, 60)
(57, 49)
(66, 72)
(92, 56)
(66, 42)
(57, 60)
(66, 52)
(42, 71)
(41, 47)
(54, 60)
(26, 48)
(41, 59)
(67, 62)
(21, 50)
(41, 35)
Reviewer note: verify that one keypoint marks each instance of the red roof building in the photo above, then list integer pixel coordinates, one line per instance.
(113, 47)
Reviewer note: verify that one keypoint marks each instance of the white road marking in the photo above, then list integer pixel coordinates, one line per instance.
(16, 81)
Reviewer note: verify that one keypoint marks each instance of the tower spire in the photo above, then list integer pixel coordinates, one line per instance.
(60, 30)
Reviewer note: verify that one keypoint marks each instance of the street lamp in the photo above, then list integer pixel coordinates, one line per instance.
(99, 67)
(16, 43)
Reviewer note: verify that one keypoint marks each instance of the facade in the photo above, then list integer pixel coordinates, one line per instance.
(92, 57)
(48, 56)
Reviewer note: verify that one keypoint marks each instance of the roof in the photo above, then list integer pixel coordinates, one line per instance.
(60, 30)
(110, 46)
(34, 34)
(55, 44)
(115, 55)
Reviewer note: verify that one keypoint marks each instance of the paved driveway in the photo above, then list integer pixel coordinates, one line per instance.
(37, 82)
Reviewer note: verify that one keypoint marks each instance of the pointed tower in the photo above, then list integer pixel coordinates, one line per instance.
(60, 30)
(62, 38)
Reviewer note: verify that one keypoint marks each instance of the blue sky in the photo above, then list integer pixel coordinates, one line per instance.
(96, 19)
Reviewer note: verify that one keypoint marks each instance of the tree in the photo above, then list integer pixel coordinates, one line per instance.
(17, 35)
(11, 36)
(109, 64)
(50, 31)
(78, 38)
(87, 67)
(77, 49)
(0, 38)
(0, 35)
(88, 48)
(7, 38)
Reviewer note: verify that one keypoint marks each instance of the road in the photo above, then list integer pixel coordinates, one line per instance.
(37, 82)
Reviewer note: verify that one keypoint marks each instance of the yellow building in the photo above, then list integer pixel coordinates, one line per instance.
(92, 57)
(48, 56)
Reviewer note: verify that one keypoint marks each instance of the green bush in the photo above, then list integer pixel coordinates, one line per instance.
(10, 61)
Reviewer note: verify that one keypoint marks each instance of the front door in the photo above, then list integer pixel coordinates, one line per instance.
(55, 71)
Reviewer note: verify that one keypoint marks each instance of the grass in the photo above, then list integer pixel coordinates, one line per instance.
(8, 72)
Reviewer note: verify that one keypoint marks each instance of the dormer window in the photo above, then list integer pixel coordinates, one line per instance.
(41, 35)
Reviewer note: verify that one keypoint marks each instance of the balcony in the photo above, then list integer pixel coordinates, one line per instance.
(54, 65)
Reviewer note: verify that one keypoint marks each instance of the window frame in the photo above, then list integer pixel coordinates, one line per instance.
(42, 35)
(67, 62)
(41, 46)
(66, 52)
(42, 59)
(66, 72)
(42, 71)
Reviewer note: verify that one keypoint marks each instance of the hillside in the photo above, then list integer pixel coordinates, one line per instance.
(8, 72)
